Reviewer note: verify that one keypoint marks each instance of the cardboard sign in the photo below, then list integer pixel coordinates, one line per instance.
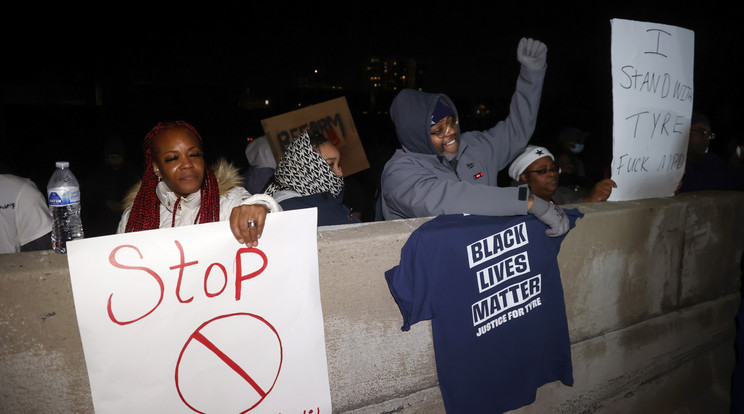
(652, 90)
(333, 118)
(186, 319)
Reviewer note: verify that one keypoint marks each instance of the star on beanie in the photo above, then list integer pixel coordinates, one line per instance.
(530, 154)
(441, 111)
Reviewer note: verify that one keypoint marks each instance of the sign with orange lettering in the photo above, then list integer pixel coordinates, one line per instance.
(333, 118)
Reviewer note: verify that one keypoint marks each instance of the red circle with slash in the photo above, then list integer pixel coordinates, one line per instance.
(229, 361)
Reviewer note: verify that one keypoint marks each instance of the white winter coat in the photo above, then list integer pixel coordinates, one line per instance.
(232, 194)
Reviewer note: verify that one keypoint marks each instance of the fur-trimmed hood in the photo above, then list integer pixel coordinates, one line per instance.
(228, 176)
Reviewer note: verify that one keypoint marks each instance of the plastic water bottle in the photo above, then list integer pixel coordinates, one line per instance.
(63, 193)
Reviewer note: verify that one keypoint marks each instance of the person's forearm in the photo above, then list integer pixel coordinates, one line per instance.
(42, 243)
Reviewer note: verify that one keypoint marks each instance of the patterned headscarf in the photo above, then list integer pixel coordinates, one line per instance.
(304, 170)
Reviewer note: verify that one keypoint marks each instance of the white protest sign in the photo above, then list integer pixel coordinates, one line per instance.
(652, 91)
(186, 319)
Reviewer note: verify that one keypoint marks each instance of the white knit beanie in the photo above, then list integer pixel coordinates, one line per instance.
(530, 154)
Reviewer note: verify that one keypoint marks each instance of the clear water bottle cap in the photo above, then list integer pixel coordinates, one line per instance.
(62, 164)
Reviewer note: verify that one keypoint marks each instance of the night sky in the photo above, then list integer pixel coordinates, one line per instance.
(193, 62)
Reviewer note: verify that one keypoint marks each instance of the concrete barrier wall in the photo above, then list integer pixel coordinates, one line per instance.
(651, 287)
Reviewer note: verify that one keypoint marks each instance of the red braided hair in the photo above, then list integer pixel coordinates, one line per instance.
(145, 213)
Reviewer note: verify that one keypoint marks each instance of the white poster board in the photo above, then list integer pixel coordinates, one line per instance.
(186, 319)
(652, 93)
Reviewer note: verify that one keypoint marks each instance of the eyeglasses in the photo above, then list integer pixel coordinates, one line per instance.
(704, 132)
(543, 171)
(444, 130)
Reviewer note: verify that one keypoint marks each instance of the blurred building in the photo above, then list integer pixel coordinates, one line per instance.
(382, 78)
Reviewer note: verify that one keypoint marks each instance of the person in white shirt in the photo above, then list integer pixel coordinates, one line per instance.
(25, 221)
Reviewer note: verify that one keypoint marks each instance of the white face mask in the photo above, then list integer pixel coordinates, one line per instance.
(577, 148)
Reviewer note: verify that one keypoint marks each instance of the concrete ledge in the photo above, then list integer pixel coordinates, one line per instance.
(42, 366)
(651, 286)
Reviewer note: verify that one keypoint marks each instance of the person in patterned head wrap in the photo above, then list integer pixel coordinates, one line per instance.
(309, 175)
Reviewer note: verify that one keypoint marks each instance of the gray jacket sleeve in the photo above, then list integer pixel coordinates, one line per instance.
(411, 191)
(508, 137)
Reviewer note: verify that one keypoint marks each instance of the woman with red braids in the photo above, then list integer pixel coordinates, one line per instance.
(178, 189)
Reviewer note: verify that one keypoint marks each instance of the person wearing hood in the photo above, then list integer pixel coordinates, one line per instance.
(309, 175)
(178, 189)
(261, 165)
(441, 170)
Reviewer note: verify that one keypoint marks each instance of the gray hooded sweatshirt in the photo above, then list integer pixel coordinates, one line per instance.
(417, 182)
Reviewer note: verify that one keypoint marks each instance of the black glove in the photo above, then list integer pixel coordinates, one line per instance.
(552, 215)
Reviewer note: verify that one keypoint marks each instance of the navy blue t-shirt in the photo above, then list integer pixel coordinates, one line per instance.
(492, 289)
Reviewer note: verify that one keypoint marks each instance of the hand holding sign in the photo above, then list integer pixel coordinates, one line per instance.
(601, 191)
(247, 223)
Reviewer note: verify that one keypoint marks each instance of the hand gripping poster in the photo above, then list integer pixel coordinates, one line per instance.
(652, 93)
(187, 320)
